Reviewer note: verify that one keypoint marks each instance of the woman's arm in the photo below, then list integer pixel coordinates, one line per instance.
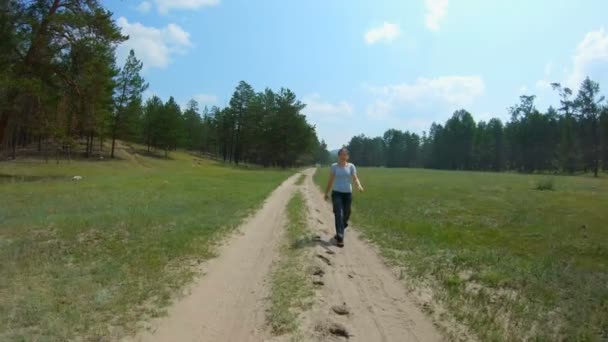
(357, 182)
(330, 183)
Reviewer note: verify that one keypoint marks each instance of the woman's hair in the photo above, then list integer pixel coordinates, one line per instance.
(343, 150)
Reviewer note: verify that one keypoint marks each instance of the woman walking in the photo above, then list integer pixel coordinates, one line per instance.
(342, 175)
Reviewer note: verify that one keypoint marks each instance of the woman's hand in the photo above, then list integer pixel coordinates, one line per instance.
(330, 183)
(358, 183)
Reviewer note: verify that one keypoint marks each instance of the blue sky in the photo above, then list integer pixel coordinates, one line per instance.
(366, 66)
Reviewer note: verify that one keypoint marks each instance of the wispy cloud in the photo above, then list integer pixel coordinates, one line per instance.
(436, 10)
(543, 85)
(439, 95)
(454, 90)
(321, 111)
(332, 119)
(206, 99)
(387, 33)
(144, 7)
(154, 46)
(165, 6)
(414, 106)
(591, 57)
(380, 109)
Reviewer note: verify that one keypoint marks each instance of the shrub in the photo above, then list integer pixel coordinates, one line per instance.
(545, 184)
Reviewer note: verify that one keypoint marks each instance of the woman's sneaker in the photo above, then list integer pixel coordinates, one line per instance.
(339, 241)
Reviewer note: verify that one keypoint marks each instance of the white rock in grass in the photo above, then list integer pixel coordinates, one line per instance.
(77, 178)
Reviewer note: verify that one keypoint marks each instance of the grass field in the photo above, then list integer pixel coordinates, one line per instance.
(291, 288)
(86, 259)
(508, 260)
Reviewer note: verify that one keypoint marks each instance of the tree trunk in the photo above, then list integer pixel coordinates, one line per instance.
(237, 143)
(87, 151)
(231, 149)
(91, 142)
(14, 145)
(596, 146)
(114, 133)
(29, 60)
(596, 160)
(40, 33)
(113, 145)
(595, 169)
(3, 125)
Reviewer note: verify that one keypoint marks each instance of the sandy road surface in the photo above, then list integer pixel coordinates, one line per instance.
(229, 302)
(379, 307)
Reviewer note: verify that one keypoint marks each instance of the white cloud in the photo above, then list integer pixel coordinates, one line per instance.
(177, 35)
(332, 120)
(446, 92)
(164, 6)
(387, 32)
(154, 46)
(436, 10)
(319, 111)
(523, 89)
(379, 110)
(206, 99)
(590, 59)
(543, 85)
(144, 7)
(454, 90)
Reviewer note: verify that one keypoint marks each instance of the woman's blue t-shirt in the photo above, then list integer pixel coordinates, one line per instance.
(344, 177)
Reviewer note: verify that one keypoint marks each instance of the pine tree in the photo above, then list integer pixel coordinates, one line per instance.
(192, 138)
(129, 89)
(587, 105)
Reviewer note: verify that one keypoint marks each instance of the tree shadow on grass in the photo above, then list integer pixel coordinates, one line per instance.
(5, 178)
(156, 154)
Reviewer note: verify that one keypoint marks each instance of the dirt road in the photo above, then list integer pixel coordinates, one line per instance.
(229, 302)
(379, 308)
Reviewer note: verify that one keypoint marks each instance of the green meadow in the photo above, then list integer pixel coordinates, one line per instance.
(508, 260)
(88, 259)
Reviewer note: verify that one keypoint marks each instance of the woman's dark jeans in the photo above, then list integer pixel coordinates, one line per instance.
(341, 202)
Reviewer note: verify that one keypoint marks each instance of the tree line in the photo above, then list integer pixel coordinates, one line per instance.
(570, 138)
(62, 94)
(265, 128)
